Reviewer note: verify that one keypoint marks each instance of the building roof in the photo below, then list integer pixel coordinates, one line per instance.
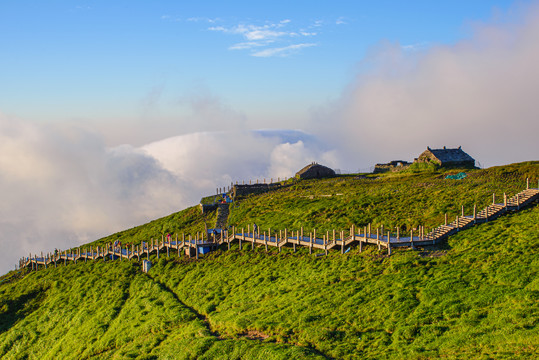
(450, 155)
(313, 165)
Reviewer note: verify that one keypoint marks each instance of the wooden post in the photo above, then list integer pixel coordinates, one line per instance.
(493, 198)
(462, 212)
(504, 200)
(361, 241)
(474, 212)
(342, 241)
(518, 202)
(300, 235)
(354, 233)
(398, 235)
(388, 244)
(412, 238)
(378, 237)
(297, 239)
(242, 236)
(486, 217)
(189, 251)
(310, 243)
(265, 241)
(326, 239)
(369, 230)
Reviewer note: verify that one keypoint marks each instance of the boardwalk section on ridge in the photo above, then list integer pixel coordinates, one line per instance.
(342, 240)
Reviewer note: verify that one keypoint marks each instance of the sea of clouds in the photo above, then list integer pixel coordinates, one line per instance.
(62, 186)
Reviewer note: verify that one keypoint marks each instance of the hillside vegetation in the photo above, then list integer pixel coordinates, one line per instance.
(477, 296)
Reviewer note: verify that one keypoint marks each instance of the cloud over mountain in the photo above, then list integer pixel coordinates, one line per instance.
(61, 186)
(479, 93)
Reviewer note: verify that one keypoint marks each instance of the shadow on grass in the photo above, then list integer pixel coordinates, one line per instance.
(16, 309)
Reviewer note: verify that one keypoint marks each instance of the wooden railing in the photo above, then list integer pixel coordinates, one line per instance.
(194, 245)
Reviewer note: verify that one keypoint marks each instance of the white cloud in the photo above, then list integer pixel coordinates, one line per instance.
(61, 186)
(282, 51)
(246, 45)
(257, 36)
(479, 93)
(253, 32)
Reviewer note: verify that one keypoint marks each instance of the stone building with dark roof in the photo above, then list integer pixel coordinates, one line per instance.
(447, 157)
(315, 171)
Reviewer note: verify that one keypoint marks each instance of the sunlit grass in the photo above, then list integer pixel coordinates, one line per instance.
(477, 296)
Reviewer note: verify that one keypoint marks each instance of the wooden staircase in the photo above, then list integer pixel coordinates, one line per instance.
(491, 212)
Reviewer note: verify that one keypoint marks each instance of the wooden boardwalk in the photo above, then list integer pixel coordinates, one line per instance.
(341, 240)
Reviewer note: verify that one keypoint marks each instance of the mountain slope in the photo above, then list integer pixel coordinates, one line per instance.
(475, 296)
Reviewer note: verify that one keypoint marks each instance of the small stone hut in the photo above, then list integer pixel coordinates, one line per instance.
(447, 157)
(315, 171)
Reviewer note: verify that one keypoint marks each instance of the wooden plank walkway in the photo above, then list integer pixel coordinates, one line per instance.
(277, 239)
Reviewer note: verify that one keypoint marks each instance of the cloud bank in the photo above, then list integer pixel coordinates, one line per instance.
(61, 186)
(480, 93)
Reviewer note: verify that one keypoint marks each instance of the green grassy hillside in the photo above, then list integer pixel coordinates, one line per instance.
(476, 296)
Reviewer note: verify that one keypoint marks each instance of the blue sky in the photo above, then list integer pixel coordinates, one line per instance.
(272, 61)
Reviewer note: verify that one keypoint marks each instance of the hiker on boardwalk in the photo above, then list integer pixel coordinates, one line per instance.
(254, 229)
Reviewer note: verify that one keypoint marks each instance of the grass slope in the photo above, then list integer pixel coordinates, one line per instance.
(475, 297)
(405, 199)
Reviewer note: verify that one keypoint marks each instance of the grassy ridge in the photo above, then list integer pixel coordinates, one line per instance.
(111, 310)
(188, 221)
(481, 297)
(404, 199)
(475, 297)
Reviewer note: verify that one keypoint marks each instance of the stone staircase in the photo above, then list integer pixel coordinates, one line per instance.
(222, 216)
